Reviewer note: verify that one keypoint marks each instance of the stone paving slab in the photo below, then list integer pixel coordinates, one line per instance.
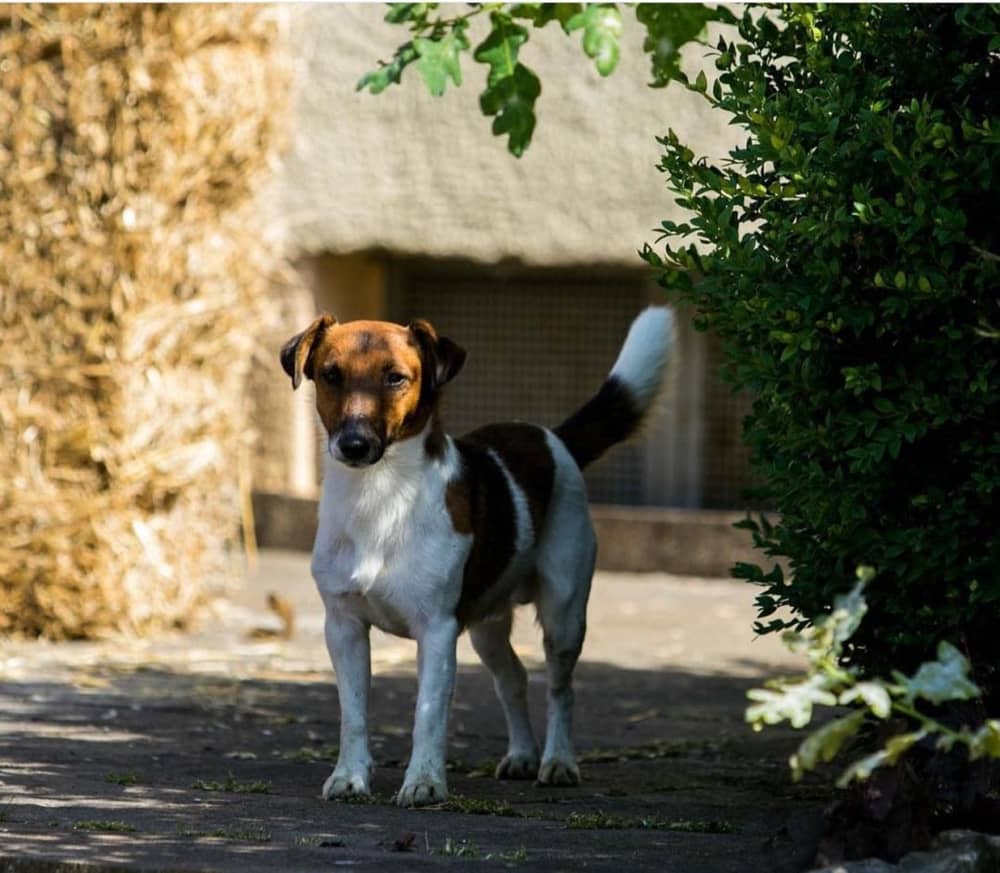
(207, 751)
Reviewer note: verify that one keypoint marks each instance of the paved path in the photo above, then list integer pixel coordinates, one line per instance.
(207, 751)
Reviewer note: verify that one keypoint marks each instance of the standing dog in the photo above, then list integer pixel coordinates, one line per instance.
(424, 535)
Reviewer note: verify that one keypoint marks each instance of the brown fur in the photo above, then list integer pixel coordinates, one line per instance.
(350, 366)
(296, 354)
(350, 362)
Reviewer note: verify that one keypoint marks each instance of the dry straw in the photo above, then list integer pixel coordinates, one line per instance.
(132, 287)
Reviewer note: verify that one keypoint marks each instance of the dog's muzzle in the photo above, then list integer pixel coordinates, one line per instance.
(357, 444)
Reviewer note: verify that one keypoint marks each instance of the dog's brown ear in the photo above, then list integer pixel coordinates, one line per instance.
(442, 358)
(296, 354)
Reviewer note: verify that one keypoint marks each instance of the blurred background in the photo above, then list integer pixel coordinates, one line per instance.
(182, 188)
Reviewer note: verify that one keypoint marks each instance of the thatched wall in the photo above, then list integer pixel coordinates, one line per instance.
(132, 287)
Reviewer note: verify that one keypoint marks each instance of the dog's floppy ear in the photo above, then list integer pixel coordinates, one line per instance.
(296, 354)
(442, 358)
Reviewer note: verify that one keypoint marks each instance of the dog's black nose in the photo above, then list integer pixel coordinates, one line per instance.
(354, 447)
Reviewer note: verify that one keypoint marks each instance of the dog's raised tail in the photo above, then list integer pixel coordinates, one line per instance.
(617, 410)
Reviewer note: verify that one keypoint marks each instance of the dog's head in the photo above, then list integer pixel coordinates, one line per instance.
(376, 382)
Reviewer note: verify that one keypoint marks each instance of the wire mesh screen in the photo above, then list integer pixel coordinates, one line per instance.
(538, 348)
(726, 466)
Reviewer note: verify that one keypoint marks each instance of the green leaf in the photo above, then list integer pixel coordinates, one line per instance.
(669, 26)
(824, 743)
(439, 59)
(848, 611)
(401, 12)
(947, 678)
(985, 743)
(862, 768)
(873, 694)
(540, 14)
(602, 27)
(388, 73)
(892, 752)
(501, 47)
(792, 702)
(512, 100)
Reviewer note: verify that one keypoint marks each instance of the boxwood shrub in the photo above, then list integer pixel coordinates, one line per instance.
(848, 257)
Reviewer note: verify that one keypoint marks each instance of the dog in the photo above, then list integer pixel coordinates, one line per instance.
(425, 535)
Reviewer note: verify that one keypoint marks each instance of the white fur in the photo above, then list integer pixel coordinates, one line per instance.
(491, 640)
(567, 553)
(378, 525)
(642, 360)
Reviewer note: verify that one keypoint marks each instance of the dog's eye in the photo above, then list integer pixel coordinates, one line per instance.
(395, 380)
(332, 374)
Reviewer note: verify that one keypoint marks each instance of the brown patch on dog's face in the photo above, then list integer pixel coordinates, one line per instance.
(368, 377)
(376, 382)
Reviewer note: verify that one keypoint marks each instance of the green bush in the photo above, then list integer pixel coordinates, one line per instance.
(848, 258)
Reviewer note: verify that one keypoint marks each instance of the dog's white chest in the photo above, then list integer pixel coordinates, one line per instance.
(385, 535)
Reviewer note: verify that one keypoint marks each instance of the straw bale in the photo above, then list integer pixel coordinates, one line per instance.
(133, 284)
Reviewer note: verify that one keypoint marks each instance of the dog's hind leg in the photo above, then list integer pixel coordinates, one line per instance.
(564, 626)
(491, 640)
(565, 569)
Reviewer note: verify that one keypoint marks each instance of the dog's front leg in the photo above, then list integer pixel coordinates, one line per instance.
(348, 642)
(425, 780)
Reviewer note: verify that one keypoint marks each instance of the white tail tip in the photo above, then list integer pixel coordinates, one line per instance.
(643, 358)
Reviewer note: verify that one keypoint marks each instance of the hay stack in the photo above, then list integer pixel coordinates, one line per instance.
(132, 281)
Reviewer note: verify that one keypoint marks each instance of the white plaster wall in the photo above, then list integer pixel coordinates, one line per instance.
(418, 175)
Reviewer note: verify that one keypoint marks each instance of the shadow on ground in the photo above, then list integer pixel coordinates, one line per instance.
(160, 770)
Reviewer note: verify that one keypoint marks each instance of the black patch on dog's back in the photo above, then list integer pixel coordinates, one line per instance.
(526, 455)
(486, 508)
(481, 503)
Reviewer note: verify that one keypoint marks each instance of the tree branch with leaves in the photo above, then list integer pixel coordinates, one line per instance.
(438, 43)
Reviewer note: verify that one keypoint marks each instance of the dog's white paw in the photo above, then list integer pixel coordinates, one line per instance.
(342, 784)
(422, 792)
(518, 765)
(559, 773)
